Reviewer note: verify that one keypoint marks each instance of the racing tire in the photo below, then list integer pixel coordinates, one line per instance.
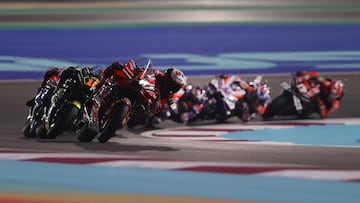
(40, 131)
(27, 130)
(208, 111)
(32, 132)
(114, 122)
(63, 121)
(87, 133)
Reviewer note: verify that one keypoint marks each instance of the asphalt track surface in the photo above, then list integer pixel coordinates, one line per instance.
(14, 112)
(129, 142)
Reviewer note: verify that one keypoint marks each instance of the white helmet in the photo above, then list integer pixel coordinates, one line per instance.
(337, 89)
(176, 79)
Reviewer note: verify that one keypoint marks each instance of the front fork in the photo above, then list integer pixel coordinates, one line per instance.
(50, 114)
(85, 119)
(54, 102)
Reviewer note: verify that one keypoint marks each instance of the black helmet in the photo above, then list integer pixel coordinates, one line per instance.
(86, 71)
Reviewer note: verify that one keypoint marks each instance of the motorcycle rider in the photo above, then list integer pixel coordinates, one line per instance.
(308, 83)
(49, 81)
(88, 79)
(166, 85)
(41, 100)
(330, 96)
(256, 95)
(83, 75)
(189, 104)
(259, 98)
(328, 92)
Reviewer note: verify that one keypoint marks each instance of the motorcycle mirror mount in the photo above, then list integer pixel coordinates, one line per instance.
(285, 85)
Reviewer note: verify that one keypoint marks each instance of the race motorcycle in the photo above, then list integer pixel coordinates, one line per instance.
(70, 111)
(38, 107)
(227, 97)
(115, 103)
(189, 105)
(293, 101)
(184, 105)
(149, 120)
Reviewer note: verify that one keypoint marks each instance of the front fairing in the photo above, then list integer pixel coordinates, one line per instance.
(227, 89)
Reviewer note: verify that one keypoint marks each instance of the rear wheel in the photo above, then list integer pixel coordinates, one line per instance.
(116, 120)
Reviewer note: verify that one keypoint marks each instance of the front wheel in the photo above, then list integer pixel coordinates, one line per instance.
(64, 121)
(40, 131)
(116, 120)
(87, 133)
(27, 129)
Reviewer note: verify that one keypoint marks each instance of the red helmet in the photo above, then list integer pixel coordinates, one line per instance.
(53, 76)
(53, 71)
(337, 88)
(56, 70)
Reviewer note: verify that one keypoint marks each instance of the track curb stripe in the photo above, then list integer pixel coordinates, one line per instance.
(273, 170)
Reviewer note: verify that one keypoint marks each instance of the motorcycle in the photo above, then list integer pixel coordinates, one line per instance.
(115, 103)
(189, 105)
(227, 97)
(184, 107)
(149, 120)
(39, 107)
(293, 101)
(70, 111)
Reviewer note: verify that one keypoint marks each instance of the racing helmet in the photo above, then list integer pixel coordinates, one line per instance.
(86, 71)
(337, 88)
(55, 71)
(54, 76)
(263, 91)
(175, 80)
(223, 75)
(199, 91)
(52, 72)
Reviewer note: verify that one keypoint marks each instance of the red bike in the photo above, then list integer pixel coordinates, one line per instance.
(117, 101)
